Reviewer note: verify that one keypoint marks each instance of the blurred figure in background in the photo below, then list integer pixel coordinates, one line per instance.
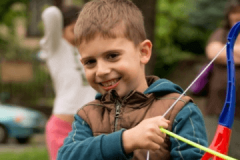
(218, 80)
(63, 60)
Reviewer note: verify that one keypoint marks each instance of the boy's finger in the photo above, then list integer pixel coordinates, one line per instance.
(163, 119)
(154, 146)
(160, 133)
(158, 141)
(166, 120)
(162, 124)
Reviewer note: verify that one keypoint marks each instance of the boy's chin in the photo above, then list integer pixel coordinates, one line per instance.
(119, 93)
(110, 90)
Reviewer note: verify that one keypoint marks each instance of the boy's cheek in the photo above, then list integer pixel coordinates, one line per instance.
(124, 69)
(89, 79)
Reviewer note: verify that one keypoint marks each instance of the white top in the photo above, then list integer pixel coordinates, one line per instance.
(65, 68)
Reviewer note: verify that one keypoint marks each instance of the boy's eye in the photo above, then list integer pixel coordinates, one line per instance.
(112, 56)
(90, 62)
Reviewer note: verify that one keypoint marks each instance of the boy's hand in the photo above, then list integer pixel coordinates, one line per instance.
(146, 135)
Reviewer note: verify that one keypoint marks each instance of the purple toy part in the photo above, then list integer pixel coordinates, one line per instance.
(199, 85)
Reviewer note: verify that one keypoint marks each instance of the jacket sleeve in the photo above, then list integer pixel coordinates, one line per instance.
(189, 123)
(80, 144)
(53, 26)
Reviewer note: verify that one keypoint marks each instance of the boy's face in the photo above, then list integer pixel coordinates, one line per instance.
(115, 64)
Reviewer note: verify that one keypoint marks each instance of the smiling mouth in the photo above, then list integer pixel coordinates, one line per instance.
(110, 84)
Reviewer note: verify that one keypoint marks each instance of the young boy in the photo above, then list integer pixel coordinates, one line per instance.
(123, 122)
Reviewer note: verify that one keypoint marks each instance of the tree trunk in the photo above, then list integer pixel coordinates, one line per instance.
(85, 1)
(34, 11)
(148, 9)
(58, 3)
(67, 2)
(35, 8)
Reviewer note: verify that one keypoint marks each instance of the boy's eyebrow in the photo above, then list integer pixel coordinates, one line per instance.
(86, 58)
(105, 52)
(112, 51)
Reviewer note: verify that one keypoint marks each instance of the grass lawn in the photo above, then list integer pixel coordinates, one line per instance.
(28, 154)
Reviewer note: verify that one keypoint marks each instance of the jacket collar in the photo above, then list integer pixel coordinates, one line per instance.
(133, 99)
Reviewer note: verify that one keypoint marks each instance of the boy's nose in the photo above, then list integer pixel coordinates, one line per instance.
(102, 69)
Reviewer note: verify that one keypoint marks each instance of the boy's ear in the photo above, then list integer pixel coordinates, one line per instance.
(146, 51)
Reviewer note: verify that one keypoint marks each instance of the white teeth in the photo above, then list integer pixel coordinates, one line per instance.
(109, 83)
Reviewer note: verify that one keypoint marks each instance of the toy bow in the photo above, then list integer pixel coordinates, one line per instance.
(220, 144)
(222, 136)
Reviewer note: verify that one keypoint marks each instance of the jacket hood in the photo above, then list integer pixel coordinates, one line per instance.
(159, 87)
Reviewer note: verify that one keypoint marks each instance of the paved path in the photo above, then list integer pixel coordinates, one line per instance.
(37, 141)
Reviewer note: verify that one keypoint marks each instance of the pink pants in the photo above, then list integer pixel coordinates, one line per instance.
(56, 131)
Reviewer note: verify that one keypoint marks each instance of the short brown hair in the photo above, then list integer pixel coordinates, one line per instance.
(70, 14)
(108, 18)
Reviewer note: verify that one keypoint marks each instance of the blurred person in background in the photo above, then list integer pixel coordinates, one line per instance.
(218, 80)
(63, 60)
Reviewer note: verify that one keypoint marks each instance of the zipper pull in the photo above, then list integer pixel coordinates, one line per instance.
(118, 109)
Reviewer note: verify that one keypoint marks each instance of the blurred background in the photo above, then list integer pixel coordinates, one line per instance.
(179, 30)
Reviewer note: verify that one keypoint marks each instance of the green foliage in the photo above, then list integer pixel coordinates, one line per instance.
(8, 12)
(207, 14)
(78, 2)
(13, 51)
(38, 91)
(173, 28)
(183, 28)
(175, 38)
(9, 44)
(29, 154)
(6, 7)
(3, 44)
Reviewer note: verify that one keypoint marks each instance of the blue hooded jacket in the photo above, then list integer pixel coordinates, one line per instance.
(82, 145)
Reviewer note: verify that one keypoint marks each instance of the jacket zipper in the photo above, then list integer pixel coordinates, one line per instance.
(118, 106)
